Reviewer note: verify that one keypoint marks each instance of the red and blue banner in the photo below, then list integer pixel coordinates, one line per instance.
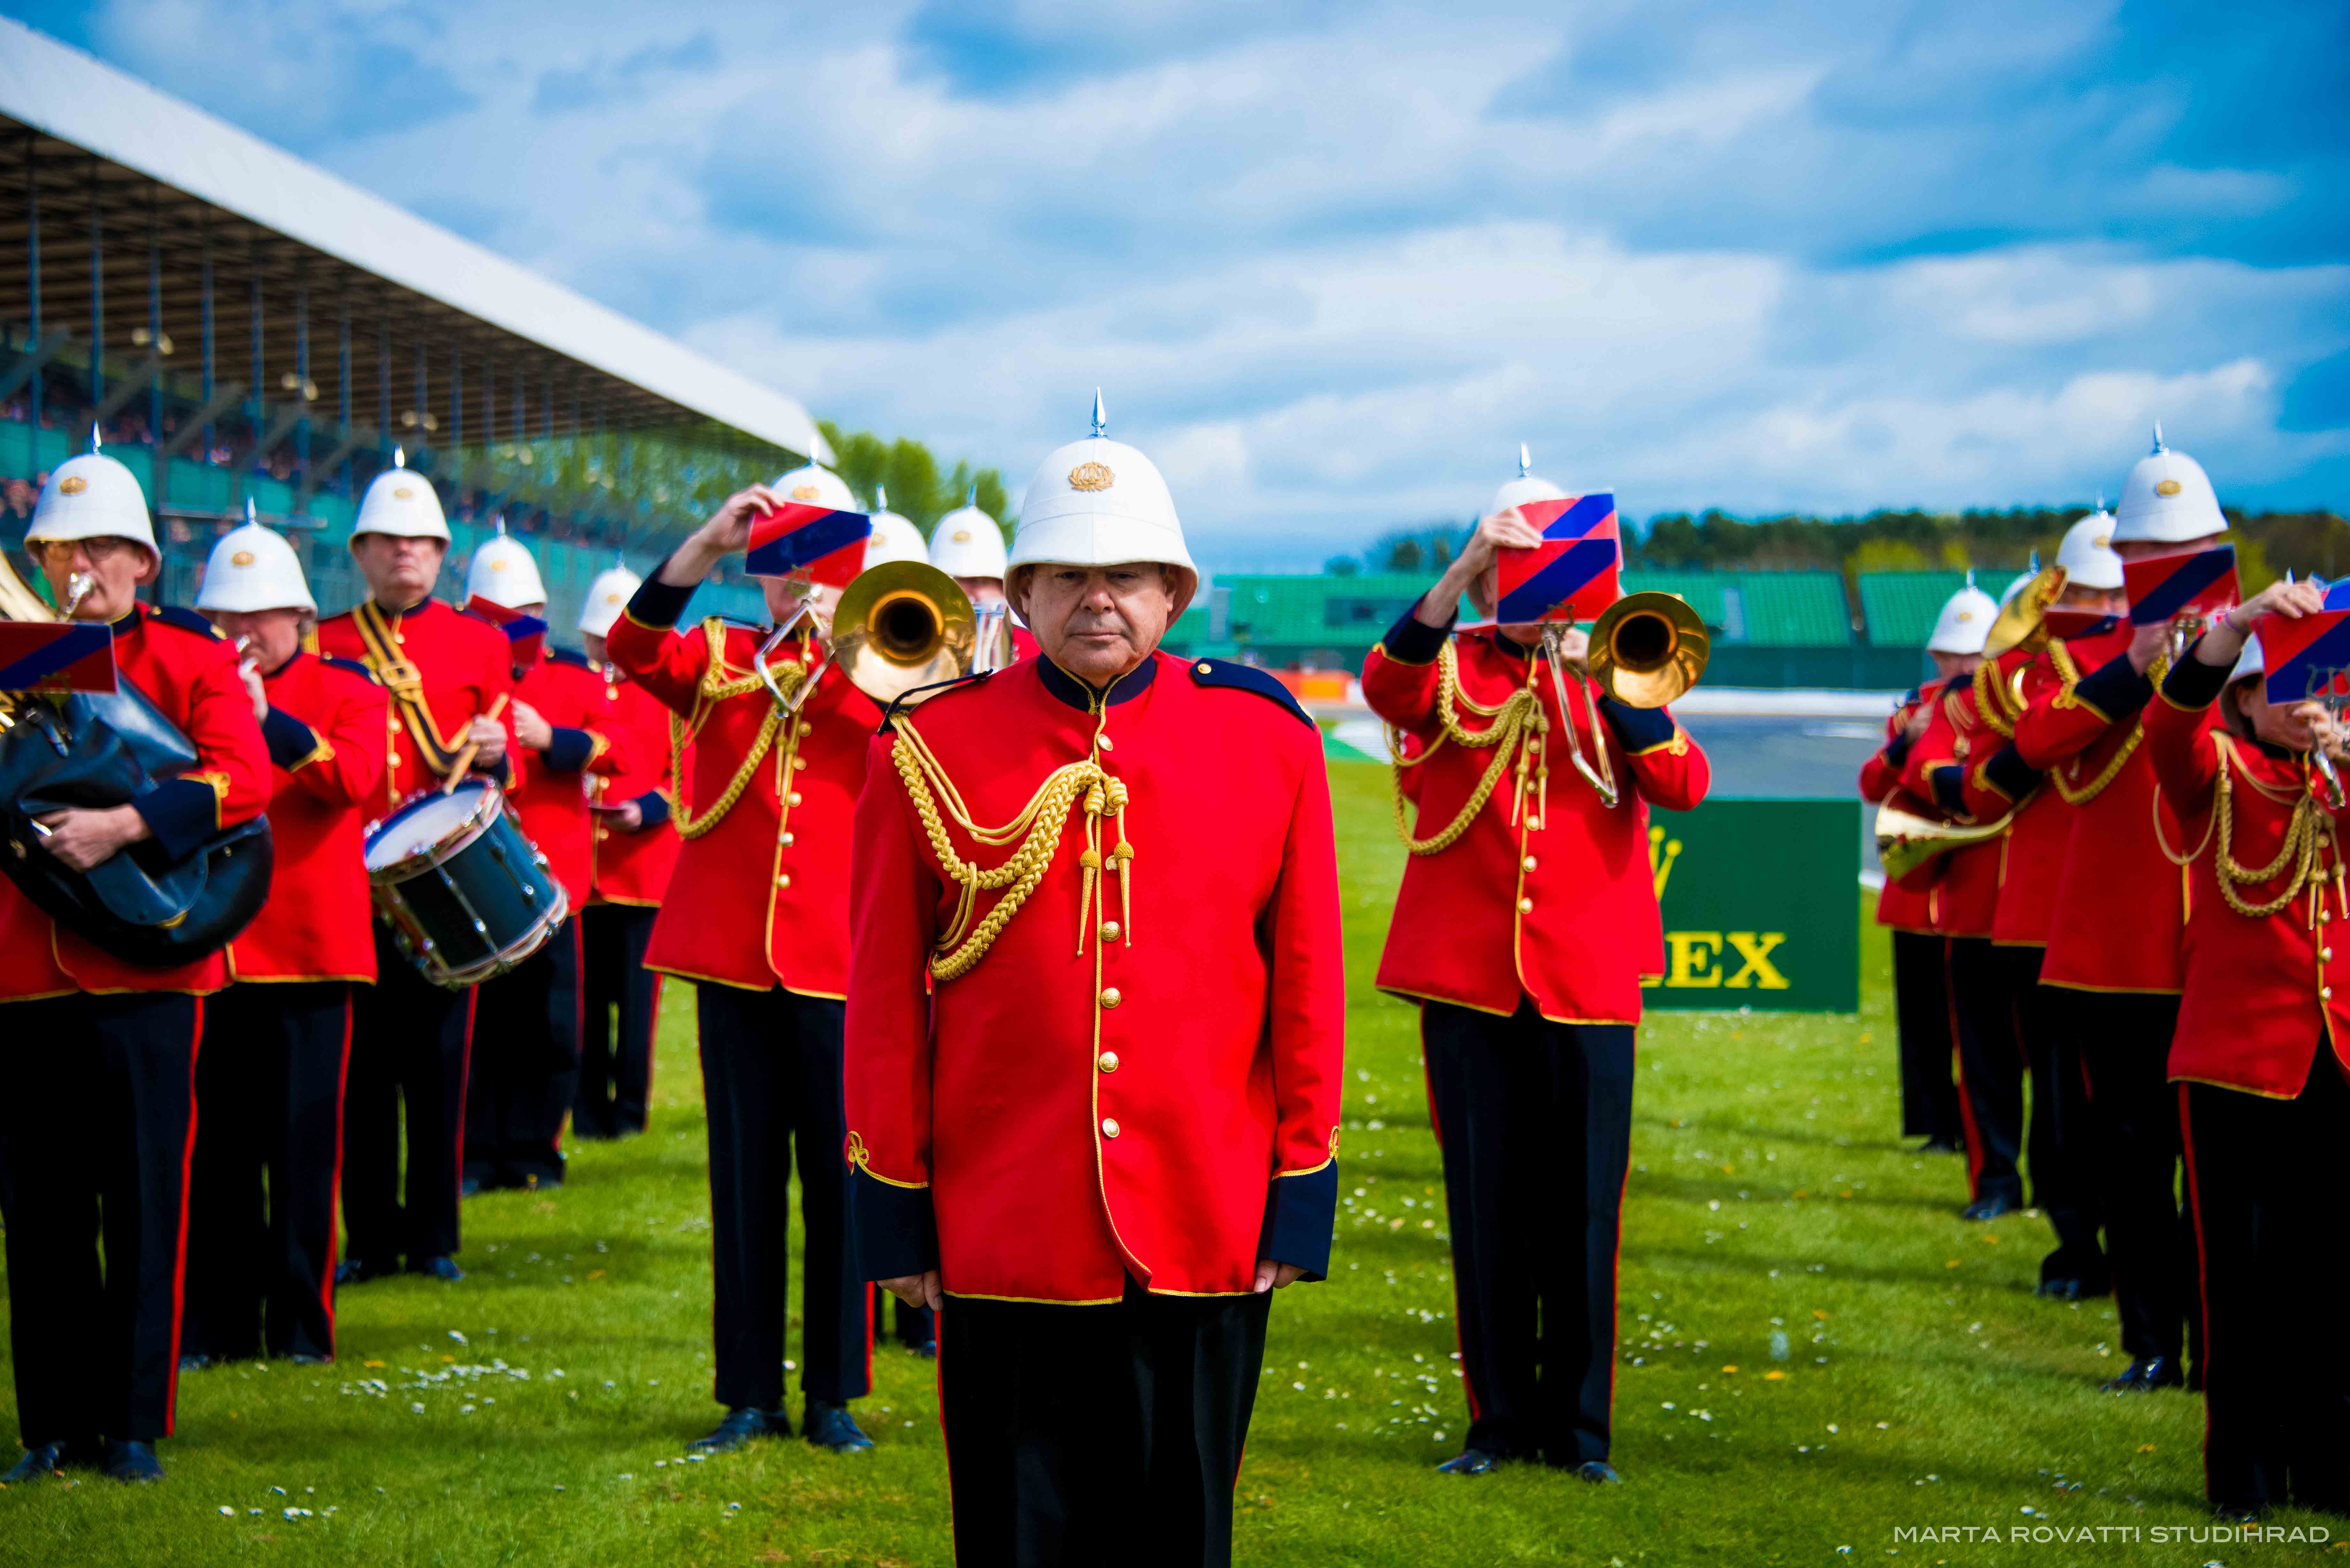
(2306, 658)
(1571, 574)
(525, 634)
(56, 657)
(2078, 625)
(816, 543)
(2183, 582)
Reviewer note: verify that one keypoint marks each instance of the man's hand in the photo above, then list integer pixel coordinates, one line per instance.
(1921, 718)
(2146, 644)
(1574, 647)
(531, 728)
(1273, 1276)
(250, 673)
(727, 531)
(86, 837)
(1504, 529)
(629, 817)
(488, 738)
(917, 1290)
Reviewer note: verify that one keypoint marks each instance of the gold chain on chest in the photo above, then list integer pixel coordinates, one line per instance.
(1515, 735)
(720, 685)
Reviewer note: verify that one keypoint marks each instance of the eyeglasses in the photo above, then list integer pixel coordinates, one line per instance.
(60, 552)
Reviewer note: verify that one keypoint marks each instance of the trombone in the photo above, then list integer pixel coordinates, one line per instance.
(1645, 650)
(902, 625)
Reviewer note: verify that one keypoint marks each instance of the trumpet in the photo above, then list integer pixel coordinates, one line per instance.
(992, 646)
(2023, 619)
(1645, 650)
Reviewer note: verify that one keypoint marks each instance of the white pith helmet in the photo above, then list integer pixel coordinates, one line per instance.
(2087, 553)
(967, 543)
(1098, 503)
(608, 596)
(92, 497)
(894, 538)
(2253, 660)
(1527, 486)
(400, 504)
(504, 573)
(1965, 622)
(812, 484)
(2167, 500)
(253, 568)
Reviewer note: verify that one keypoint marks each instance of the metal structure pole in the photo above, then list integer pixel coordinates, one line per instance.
(97, 382)
(33, 291)
(155, 339)
(343, 390)
(209, 368)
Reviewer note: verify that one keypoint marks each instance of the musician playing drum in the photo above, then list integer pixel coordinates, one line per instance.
(269, 1078)
(450, 680)
(755, 916)
(1094, 1067)
(1526, 920)
(96, 1127)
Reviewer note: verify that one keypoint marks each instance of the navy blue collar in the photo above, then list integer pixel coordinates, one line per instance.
(1510, 645)
(1066, 688)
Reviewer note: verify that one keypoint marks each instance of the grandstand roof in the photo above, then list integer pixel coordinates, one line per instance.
(1899, 607)
(123, 171)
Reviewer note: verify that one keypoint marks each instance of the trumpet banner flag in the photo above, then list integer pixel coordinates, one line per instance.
(2306, 658)
(525, 634)
(1571, 574)
(57, 656)
(2078, 625)
(815, 542)
(2184, 582)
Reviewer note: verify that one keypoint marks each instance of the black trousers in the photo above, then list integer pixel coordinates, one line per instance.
(916, 1326)
(1085, 1435)
(1991, 1067)
(2134, 1131)
(771, 1082)
(408, 1043)
(526, 1072)
(1534, 1123)
(261, 1191)
(622, 1003)
(2264, 1179)
(2058, 1142)
(1921, 1009)
(96, 1131)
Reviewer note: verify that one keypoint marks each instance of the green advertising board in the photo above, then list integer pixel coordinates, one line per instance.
(1758, 904)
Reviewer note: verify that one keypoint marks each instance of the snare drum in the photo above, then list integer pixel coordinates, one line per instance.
(465, 894)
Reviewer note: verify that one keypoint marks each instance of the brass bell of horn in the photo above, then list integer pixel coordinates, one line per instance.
(1647, 650)
(902, 625)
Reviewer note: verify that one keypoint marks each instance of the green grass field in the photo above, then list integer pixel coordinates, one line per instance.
(538, 1412)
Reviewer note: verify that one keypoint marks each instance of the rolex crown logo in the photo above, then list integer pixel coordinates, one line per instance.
(242, 558)
(72, 484)
(1091, 476)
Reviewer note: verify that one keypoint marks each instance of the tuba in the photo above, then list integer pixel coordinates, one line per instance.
(1645, 650)
(2023, 619)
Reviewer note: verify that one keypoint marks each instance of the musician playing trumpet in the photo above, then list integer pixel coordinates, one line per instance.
(1526, 922)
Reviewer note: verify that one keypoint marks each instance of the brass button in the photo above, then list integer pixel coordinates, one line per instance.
(2325, 954)
(1110, 930)
(1526, 906)
(799, 762)
(1205, 670)
(786, 840)
(1109, 996)
(2325, 993)
(785, 880)
(1104, 742)
(794, 797)
(1109, 1126)
(393, 725)
(1529, 862)
(1107, 1061)
(602, 834)
(806, 726)
(400, 637)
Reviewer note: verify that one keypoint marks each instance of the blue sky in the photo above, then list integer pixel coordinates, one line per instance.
(1332, 263)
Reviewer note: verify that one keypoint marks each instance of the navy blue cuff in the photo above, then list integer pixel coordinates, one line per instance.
(653, 806)
(1637, 729)
(502, 770)
(656, 603)
(2192, 683)
(896, 1231)
(1412, 640)
(290, 741)
(1300, 1213)
(1897, 749)
(2114, 689)
(569, 750)
(2008, 773)
(181, 813)
(1950, 782)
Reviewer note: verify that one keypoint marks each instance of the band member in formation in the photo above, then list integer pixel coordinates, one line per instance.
(1102, 1164)
(450, 679)
(528, 1022)
(96, 1127)
(967, 545)
(269, 1078)
(633, 849)
(2258, 1060)
(1908, 905)
(756, 915)
(1526, 920)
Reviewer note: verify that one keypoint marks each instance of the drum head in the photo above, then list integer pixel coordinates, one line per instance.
(426, 822)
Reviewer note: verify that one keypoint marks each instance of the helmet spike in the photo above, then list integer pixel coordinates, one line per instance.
(95, 442)
(2157, 437)
(880, 496)
(250, 515)
(1525, 460)
(1970, 576)
(1101, 420)
(2035, 566)
(399, 457)
(970, 497)
(2101, 498)
(498, 524)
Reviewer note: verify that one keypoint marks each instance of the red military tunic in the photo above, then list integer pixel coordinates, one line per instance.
(761, 886)
(325, 732)
(174, 657)
(2262, 988)
(442, 667)
(634, 867)
(1141, 1075)
(1957, 740)
(551, 802)
(2120, 905)
(1550, 895)
(2031, 849)
(1907, 904)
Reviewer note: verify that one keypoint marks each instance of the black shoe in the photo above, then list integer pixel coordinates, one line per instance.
(1598, 1472)
(310, 1360)
(2146, 1374)
(47, 1459)
(741, 1424)
(832, 1426)
(194, 1361)
(358, 1271)
(928, 1350)
(132, 1462)
(1989, 1207)
(2070, 1289)
(2239, 1512)
(442, 1268)
(470, 1187)
(1941, 1146)
(1471, 1462)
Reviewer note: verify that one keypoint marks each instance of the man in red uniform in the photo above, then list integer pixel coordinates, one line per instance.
(1526, 920)
(755, 916)
(2262, 1071)
(1101, 1164)
(449, 679)
(633, 849)
(2124, 969)
(527, 1024)
(967, 545)
(269, 1080)
(97, 1124)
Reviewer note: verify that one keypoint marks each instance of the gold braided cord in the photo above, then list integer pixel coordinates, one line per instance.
(2081, 794)
(1990, 698)
(1518, 720)
(2305, 833)
(720, 684)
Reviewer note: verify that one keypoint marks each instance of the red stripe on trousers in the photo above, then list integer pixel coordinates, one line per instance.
(2202, 1290)
(179, 1254)
(1959, 1065)
(334, 1193)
